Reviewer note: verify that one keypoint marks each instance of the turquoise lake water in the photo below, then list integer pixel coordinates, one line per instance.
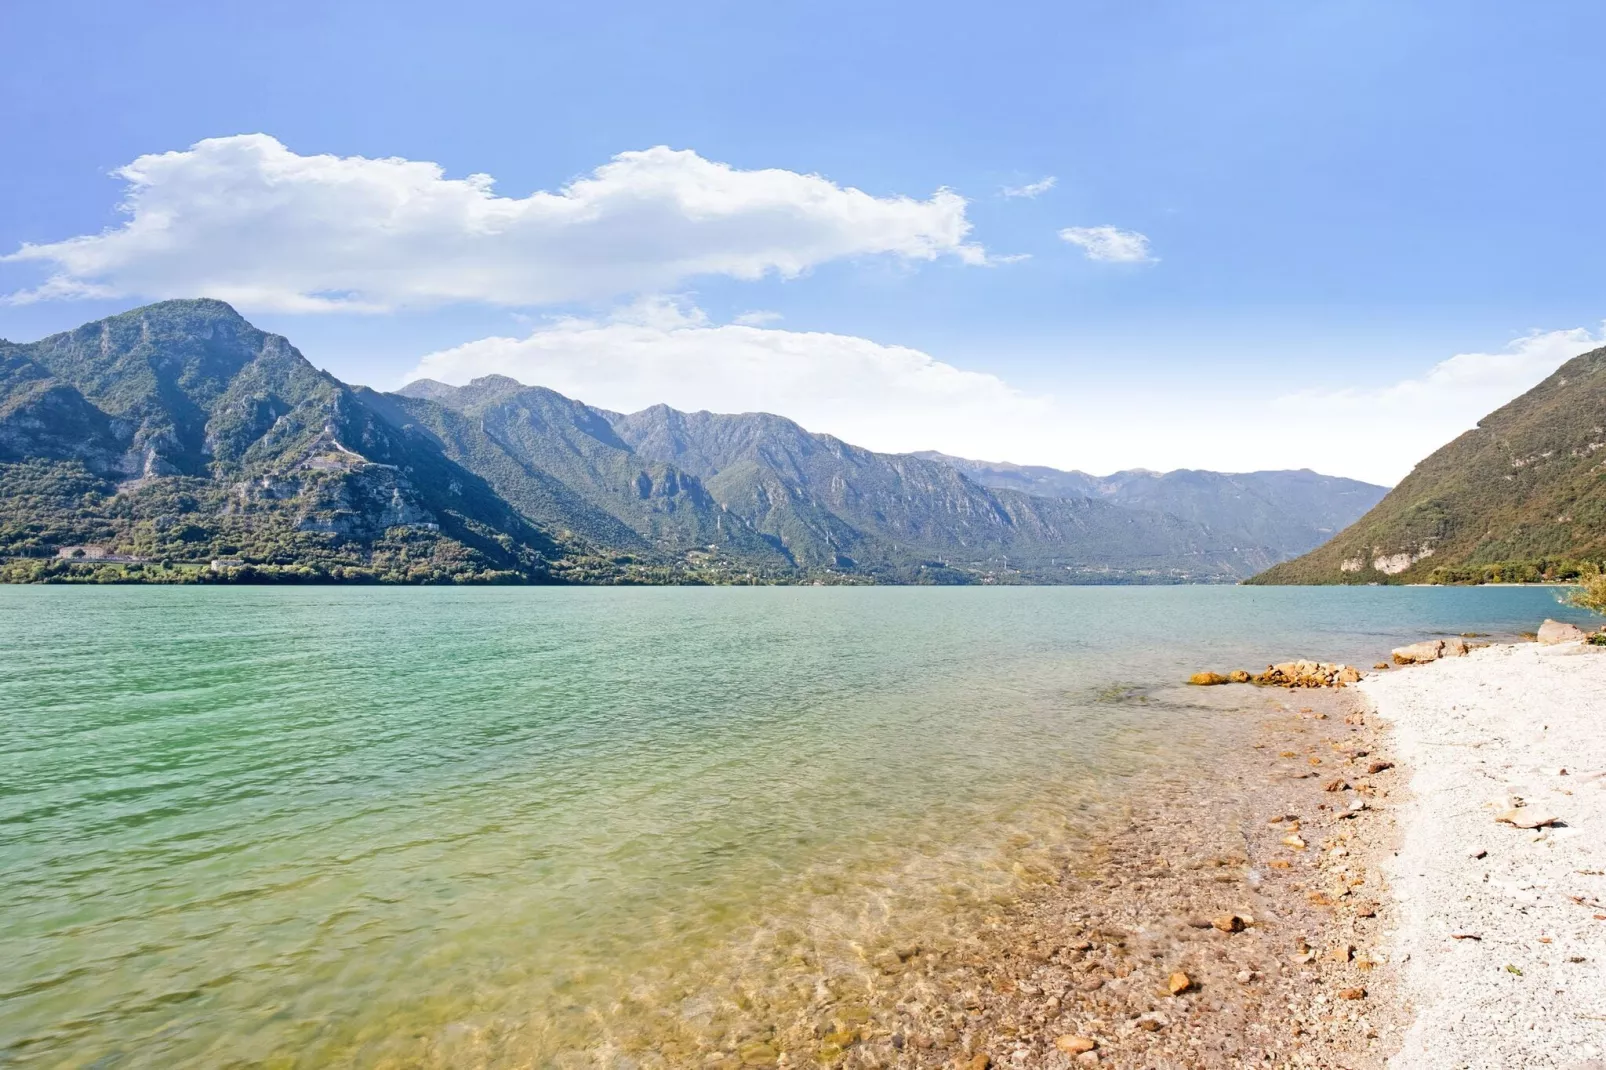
(524, 827)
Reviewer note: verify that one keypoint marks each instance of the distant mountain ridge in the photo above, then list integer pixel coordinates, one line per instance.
(1526, 489)
(820, 503)
(1283, 513)
(179, 433)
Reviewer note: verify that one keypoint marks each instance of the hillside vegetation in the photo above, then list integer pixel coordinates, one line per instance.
(1521, 497)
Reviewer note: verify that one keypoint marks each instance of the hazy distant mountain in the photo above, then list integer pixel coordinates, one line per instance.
(832, 504)
(1525, 489)
(1281, 512)
(179, 433)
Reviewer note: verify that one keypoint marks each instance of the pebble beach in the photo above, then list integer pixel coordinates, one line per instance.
(1500, 879)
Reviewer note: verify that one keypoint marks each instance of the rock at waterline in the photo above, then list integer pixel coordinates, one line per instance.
(1308, 674)
(1285, 674)
(1554, 631)
(1429, 650)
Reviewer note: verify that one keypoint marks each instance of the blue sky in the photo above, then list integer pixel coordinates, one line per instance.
(1352, 211)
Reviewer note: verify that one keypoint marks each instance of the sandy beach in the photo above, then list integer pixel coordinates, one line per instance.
(1502, 929)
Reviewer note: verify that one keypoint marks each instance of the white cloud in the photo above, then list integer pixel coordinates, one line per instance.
(1383, 431)
(757, 318)
(248, 220)
(1110, 244)
(1031, 189)
(896, 399)
(884, 397)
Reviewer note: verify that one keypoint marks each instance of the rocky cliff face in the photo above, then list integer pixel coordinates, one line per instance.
(179, 431)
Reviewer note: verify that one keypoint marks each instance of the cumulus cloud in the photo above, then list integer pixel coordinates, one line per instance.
(1110, 244)
(757, 318)
(1384, 430)
(884, 397)
(894, 398)
(1031, 189)
(247, 220)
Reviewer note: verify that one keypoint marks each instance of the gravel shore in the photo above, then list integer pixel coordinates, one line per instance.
(1233, 917)
(1501, 936)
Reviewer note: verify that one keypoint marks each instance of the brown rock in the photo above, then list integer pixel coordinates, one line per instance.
(1295, 841)
(1419, 653)
(1071, 1044)
(1207, 679)
(1378, 767)
(1527, 817)
(1179, 983)
(1340, 953)
(1554, 631)
(759, 1054)
(975, 1062)
(1337, 784)
(1239, 676)
(1381, 666)
(1229, 923)
(1352, 993)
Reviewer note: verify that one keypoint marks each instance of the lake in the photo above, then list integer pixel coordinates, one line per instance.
(536, 826)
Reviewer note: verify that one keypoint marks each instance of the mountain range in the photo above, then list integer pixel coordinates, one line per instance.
(1520, 497)
(152, 443)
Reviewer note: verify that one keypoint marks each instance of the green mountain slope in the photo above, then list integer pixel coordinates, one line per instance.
(563, 465)
(1527, 484)
(180, 432)
(831, 504)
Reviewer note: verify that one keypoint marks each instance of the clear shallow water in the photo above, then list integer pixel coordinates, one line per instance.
(313, 827)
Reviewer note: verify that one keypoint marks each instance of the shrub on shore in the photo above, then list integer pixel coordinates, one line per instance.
(1591, 592)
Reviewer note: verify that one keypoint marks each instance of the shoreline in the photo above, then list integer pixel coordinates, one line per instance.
(1385, 919)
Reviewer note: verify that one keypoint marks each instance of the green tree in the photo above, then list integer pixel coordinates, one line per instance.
(1591, 592)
